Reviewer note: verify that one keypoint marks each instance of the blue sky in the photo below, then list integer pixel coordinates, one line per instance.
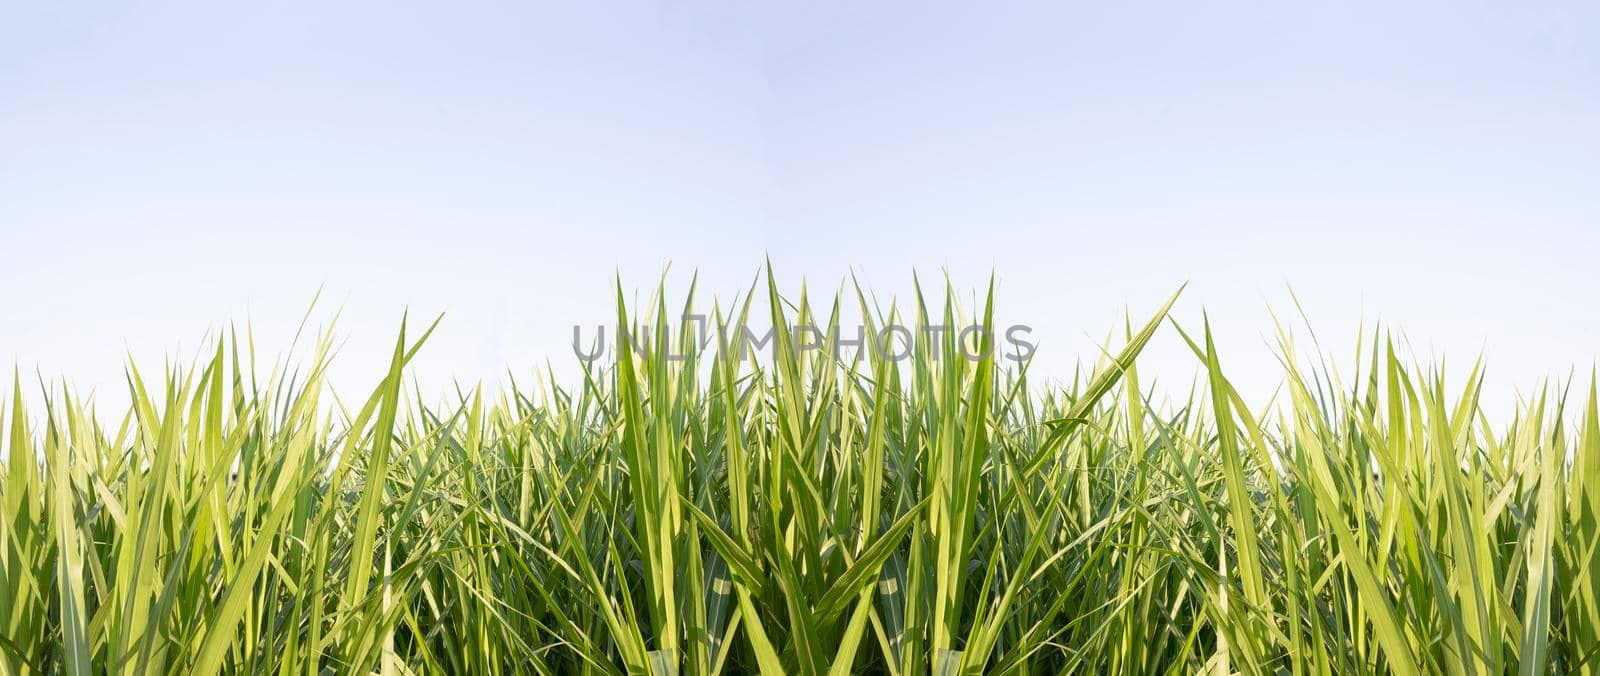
(166, 168)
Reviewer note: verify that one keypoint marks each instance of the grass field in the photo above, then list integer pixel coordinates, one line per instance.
(798, 514)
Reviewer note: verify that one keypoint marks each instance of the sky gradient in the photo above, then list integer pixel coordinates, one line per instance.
(167, 168)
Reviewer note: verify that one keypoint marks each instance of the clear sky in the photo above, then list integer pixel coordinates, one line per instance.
(169, 167)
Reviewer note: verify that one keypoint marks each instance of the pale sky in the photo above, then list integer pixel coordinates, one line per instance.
(169, 167)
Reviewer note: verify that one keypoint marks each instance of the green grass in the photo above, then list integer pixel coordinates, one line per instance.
(801, 515)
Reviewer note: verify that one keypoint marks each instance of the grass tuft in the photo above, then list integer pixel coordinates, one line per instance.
(689, 511)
